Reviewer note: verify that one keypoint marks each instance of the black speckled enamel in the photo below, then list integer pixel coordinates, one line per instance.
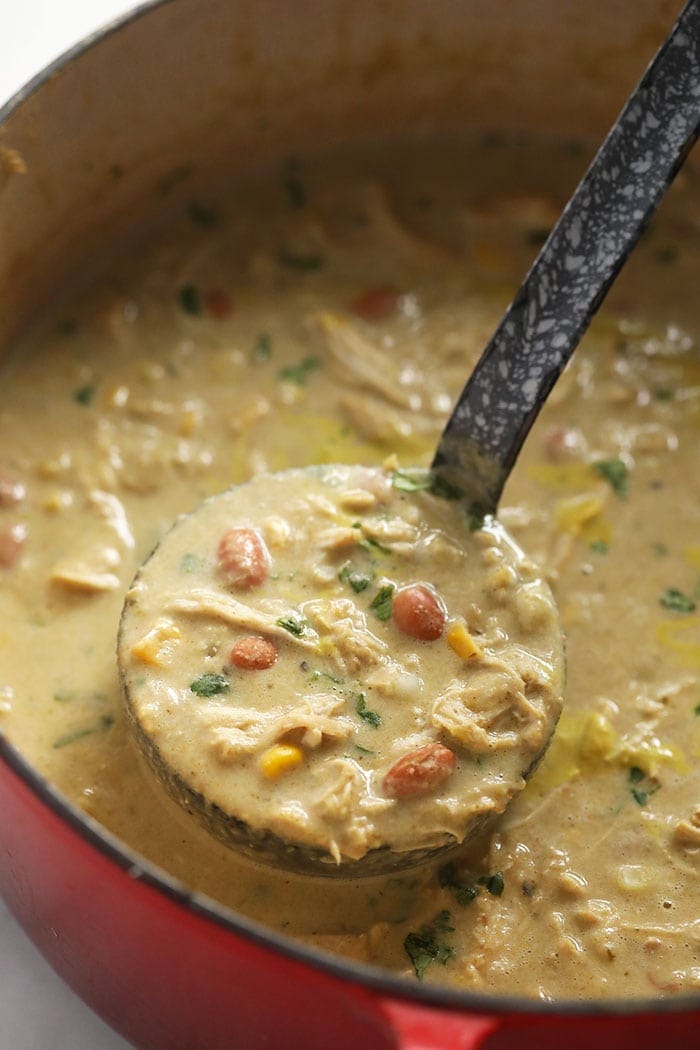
(570, 277)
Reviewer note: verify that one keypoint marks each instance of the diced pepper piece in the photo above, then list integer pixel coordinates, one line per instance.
(461, 642)
(279, 759)
(574, 513)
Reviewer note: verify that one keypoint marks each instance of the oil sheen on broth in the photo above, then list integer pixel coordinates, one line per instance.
(329, 311)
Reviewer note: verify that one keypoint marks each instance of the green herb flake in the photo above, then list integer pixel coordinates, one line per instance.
(316, 676)
(363, 750)
(70, 738)
(660, 549)
(262, 347)
(358, 581)
(63, 696)
(641, 786)
(293, 186)
(293, 625)
(677, 601)
(696, 710)
(210, 685)
(84, 394)
(664, 394)
(428, 945)
(424, 481)
(190, 563)
(495, 884)
(599, 547)
(382, 603)
(463, 891)
(300, 372)
(203, 215)
(304, 262)
(476, 516)
(666, 254)
(372, 718)
(189, 300)
(614, 472)
(537, 236)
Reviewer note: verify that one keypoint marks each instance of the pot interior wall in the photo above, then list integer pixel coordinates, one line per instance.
(174, 92)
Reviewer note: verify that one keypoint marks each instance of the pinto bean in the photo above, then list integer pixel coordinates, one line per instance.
(244, 560)
(253, 653)
(418, 613)
(12, 490)
(11, 543)
(420, 771)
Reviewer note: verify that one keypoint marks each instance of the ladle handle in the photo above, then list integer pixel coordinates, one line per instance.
(575, 268)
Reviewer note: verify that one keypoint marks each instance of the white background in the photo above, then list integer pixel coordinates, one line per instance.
(37, 1011)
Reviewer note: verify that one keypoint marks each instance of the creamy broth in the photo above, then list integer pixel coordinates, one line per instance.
(329, 311)
(342, 661)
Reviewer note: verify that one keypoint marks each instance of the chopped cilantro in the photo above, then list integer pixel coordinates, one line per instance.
(424, 481)
(70, 738)
(641, 786)
(189, 300)
(495, 884)
(428, 944)
(299, 373)
(372, 718)
(676, 600)
(614, 472)
(464, 892)
(359, 581)
(293, 625)
(537, 236)
(696, 709)
(306, 262)
(62, 696)
(190, 563)
(84, 394)
(316, 675)
(664, 394)
(210, 685)
(381, 604)
(363, 750)
(476, 515)
(262, 347)
(203, 215)
(666, 254)
(599, 547)
(293, 186)
(659, 549)
(105, 722)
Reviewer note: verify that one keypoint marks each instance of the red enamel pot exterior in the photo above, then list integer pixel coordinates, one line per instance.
(214, 78)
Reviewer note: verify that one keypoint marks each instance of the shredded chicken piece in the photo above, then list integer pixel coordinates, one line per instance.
(344, 636)
(489, 710)
(222, 607)
(237, 731)
(355, 360)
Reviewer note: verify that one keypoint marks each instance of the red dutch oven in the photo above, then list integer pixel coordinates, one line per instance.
(184, 85)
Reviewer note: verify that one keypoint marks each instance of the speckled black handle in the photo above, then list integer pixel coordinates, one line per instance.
(570, 277)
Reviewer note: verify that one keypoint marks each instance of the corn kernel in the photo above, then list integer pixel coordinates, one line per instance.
(157, 645)
(279, 759)
(461, 642)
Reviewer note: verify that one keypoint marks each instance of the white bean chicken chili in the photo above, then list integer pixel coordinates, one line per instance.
(328, 311)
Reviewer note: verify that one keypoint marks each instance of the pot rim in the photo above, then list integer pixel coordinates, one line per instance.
(202, 906)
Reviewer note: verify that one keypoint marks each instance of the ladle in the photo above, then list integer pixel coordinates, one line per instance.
(537, 336)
